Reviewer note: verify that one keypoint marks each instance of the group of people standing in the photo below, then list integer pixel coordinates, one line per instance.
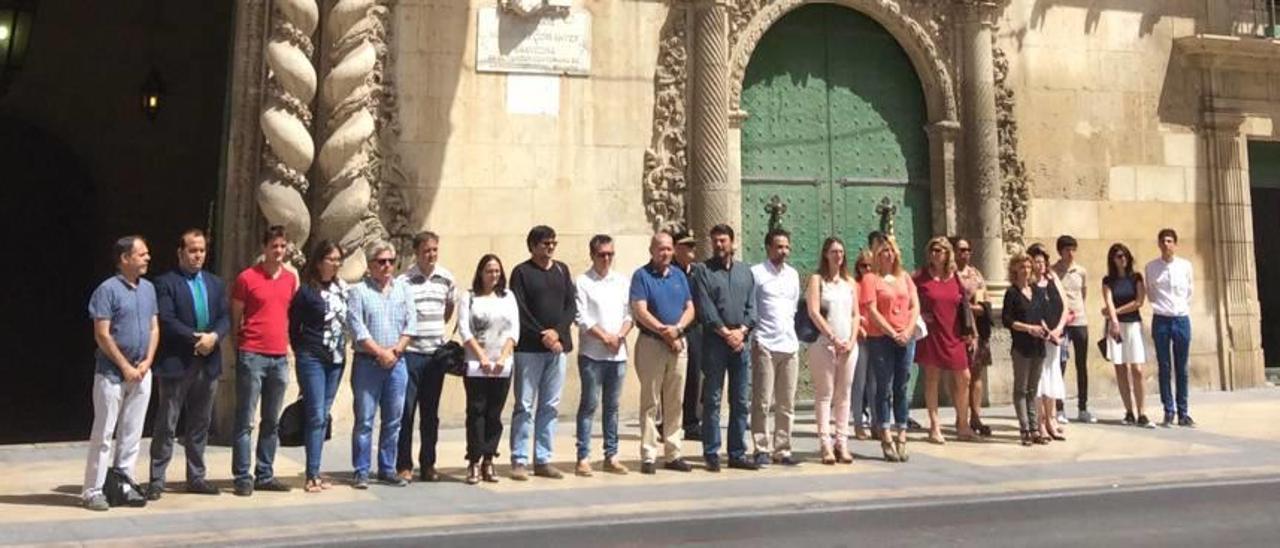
(699, 324)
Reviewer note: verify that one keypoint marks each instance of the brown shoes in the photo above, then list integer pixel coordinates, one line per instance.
(547, 471)
(583, 469)
(614, 466)
(473, 473)
(406, 475)
(486, 471)
(827, 456)
(842, 455)
(519, 472)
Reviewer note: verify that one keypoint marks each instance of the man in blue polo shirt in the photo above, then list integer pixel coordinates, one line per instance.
(125, 327)
(662, 305)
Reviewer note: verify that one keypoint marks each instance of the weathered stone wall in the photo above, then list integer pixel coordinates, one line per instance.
(1108, 117)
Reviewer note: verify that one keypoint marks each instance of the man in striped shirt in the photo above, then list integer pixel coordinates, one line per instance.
(433, 291)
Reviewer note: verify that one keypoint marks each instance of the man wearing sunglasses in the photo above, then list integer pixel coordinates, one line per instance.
(604, 321)
(546, 297)
(381, 315)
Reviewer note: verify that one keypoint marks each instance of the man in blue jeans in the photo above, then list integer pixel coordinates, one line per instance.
(1169, 288)
(545, 294)
(381, 316)
(260, 318)
(604, 320)
(725, 293)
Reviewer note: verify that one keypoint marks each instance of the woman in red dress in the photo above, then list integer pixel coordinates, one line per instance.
(943, 352)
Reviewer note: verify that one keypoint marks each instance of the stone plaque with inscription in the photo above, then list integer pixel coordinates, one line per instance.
(546, 44)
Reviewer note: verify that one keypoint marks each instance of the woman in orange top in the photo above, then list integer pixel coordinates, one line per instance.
(891, 343)
(864, 384)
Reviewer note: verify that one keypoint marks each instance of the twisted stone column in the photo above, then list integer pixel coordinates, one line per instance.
(355, 36)
(714, 200)
(286, 119)
(982, 140)
(1233, 249)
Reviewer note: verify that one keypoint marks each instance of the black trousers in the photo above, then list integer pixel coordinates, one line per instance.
(421, 394)
(190, 395)
(486, 397)
(1079, 337)
(693, 380)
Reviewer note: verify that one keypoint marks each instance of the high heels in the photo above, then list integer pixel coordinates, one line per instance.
(486, 471)
(473, 473)
(890, 454)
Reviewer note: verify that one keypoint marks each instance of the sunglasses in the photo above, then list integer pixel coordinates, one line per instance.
(963, 250)
(549, 243)
(605, 255)
(385, 262)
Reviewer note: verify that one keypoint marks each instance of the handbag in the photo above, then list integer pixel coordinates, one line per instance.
(452, 357)
(120, 490)
(806, 330)
(293, 425)
(964, 313)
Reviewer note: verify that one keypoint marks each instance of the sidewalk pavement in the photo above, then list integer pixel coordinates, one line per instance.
(1238, 438)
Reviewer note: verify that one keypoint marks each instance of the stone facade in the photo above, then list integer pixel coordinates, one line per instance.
(1045, 117)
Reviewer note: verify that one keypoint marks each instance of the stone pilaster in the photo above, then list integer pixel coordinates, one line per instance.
(1238, 309)
(982, 146)
(714, 199)
(942, 185)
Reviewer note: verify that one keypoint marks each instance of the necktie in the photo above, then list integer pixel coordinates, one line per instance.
(202, 304)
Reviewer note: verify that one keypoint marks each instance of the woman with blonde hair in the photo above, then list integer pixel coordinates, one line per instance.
(832, 302)
(891, 343)
(1025, 306)
(945, 310)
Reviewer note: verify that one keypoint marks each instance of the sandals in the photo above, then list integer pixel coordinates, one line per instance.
(860, 433)
(890, 454)
(827, 456)
(1025, 438)
(937, 439)
(977, 426)
(313, 486)
(842, 455)
(901, 447)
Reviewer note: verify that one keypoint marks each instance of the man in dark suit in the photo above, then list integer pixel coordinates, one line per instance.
(194, 319)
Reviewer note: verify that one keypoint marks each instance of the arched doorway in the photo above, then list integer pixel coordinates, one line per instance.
(836, 124)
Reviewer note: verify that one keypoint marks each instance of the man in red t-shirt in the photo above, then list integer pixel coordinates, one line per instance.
(260, 319)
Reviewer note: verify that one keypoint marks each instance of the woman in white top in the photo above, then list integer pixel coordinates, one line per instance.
(831, 298)
(489, 324)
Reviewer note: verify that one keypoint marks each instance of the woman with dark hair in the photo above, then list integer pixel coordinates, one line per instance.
(891, 342)
(317, 321)
(864, 383)
(1123, 292)
(488, 324)
(832, 302)
(1051, 387)
(944, 352)
(975, 286)
(1023, 315)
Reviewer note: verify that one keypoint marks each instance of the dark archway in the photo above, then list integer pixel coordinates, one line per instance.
(47, 203)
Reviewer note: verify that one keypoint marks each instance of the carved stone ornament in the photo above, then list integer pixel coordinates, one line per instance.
(1015, 191)
(531, 8)
(666, 161)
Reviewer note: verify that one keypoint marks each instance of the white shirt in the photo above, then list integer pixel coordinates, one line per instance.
(1169, 286)
(492, 321)
(432, 295)
(777, 292)
(604, 302)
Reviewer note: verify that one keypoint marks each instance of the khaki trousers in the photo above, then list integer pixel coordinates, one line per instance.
(773, 389)
(661, 374)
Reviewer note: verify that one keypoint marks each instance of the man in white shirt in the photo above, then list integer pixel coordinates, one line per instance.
(604, 319)
(774, 366)
(1169, 287)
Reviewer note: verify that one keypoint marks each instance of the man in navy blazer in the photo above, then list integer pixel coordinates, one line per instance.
(194, 318)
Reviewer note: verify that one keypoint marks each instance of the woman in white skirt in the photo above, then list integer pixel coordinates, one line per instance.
(832, 302)
(1051, 387)
(1123, 293)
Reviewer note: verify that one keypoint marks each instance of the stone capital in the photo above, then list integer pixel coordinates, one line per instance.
(983, 12)
(1223, 122)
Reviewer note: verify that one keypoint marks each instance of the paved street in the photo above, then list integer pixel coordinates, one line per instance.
(1106, 485)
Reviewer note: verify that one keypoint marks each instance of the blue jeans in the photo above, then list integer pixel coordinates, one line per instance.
(891, 365)
(599, 376)
(318, 381)
(539, 379)
(1172, 333)
(376, 389)
(257, 375)
(717, 361)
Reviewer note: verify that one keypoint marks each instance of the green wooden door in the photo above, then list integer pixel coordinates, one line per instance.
(836, 124)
